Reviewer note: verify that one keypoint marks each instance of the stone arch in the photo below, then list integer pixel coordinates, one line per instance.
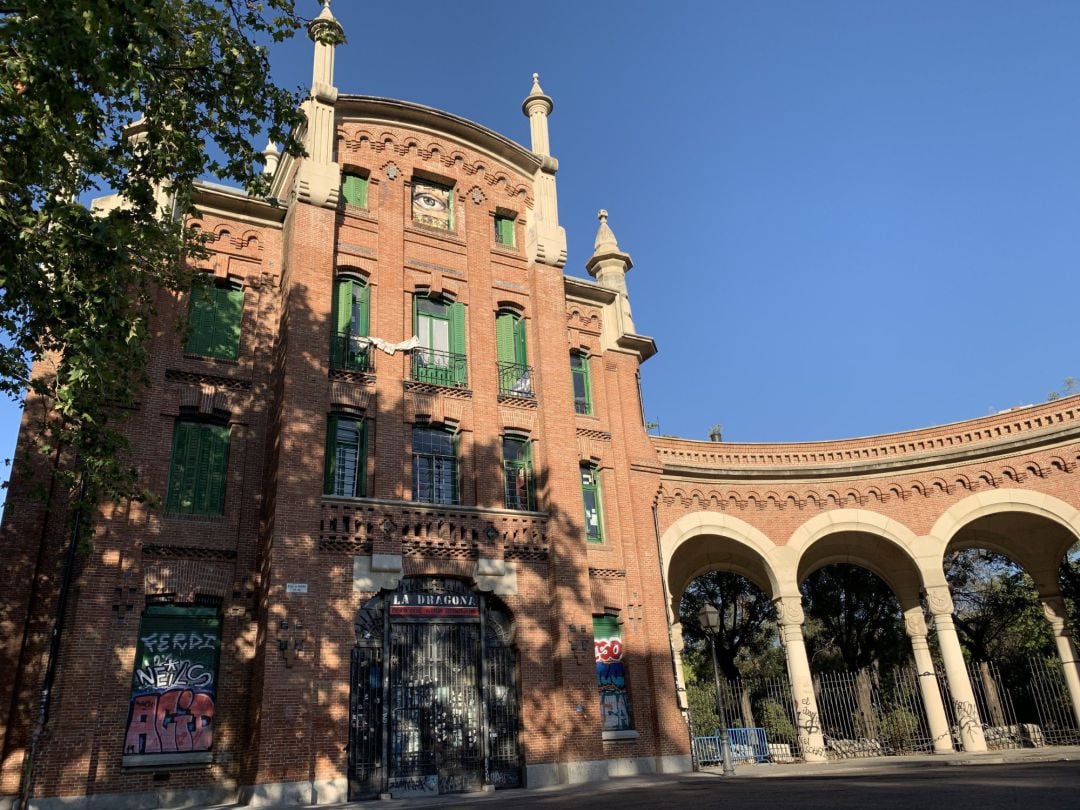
(702, 541)
(841, 535)
(1000, 502)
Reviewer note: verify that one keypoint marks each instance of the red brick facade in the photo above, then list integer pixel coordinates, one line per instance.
(283, 712)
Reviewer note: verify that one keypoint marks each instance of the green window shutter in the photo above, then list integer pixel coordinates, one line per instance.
(361, 464)
(177, 459)
(231, 309)
(198, 338)
(339, 341)
(218, 440)
(505, 227)
(457, 341)
(363, 301)
(343, 305)
(214, 322)
(450, 208)
(504, 337)
(200, 460)
(519, 341)
(354, 190)
(330, 461)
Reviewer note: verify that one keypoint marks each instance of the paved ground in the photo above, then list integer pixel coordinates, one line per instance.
(1032, 778)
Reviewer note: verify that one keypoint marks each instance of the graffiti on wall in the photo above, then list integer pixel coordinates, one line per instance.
(173, 688)
(610, 674)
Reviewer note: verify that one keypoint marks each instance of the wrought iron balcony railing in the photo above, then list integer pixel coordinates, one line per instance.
(351, 353)
(439, 368)
(515, 380)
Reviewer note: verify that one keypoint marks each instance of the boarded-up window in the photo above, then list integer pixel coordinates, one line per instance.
(174, 686)
(610, 674)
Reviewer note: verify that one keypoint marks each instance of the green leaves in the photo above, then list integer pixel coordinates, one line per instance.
(76, 289)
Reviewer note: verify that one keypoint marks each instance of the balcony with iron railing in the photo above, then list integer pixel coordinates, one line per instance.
(515, 380)
(439, 368)
(351, 353)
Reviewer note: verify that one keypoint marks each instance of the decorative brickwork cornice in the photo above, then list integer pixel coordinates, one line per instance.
(607, 573)
(1010, 471)
(175, 552)
(1018, 431)
(194, 378)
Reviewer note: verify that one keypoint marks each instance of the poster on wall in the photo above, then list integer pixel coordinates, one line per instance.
(432, 205)
(610, 675)
(174, 686)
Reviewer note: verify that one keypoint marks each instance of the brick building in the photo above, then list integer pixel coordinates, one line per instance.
(413, 536)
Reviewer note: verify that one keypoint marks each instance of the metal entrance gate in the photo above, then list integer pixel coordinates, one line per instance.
(438, 712)
(435, 708)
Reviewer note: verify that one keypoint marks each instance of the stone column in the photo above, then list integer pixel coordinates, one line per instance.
(963, 697)
(1054, 608)
(936, 718)
(789, 615)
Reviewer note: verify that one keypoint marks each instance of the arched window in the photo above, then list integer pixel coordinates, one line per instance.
(515, 375)
(351, 304)
(435, 473)
(440, 327)
(518, 473)
(579, 370)
(590, 495)
(346, 455)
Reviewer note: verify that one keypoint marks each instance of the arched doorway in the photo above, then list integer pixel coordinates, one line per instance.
(434, 700)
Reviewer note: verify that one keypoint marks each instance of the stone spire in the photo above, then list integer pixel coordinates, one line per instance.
(545, 240)
(272, 155)
(318, 178)
(537, 107)
(609, 266)
(326, 32)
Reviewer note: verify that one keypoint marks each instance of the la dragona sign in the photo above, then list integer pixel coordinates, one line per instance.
(419, 605)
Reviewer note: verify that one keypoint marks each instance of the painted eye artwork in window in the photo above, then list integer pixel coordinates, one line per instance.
(431, 205)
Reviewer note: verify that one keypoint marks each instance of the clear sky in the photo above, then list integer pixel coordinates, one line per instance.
(846, 218)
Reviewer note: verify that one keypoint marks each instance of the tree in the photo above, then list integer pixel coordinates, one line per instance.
(853, 619)
(76, 287)
(997, 612)
(747, 619)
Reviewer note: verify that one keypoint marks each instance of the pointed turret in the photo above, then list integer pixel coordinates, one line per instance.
(272, 156)
(537, 107)
(326, 32)
(319, 176)
(546, 240)
(609, 266)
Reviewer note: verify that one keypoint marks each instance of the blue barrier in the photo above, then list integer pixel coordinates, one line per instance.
(746, 744)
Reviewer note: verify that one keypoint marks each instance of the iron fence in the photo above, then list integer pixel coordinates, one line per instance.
(765, 703)
(872, 713)
(1025, 704)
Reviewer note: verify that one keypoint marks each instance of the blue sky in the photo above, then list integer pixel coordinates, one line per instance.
(846, 218)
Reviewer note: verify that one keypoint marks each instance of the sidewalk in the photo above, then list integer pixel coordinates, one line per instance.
(899, 764)
(870, 766)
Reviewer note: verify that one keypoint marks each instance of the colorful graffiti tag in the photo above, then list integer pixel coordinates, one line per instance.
(173, 688)
(610, 674)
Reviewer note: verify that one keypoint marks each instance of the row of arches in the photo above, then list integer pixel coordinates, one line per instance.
(1033, 530)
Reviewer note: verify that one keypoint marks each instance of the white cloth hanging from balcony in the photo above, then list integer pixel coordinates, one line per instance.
(387, 346)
